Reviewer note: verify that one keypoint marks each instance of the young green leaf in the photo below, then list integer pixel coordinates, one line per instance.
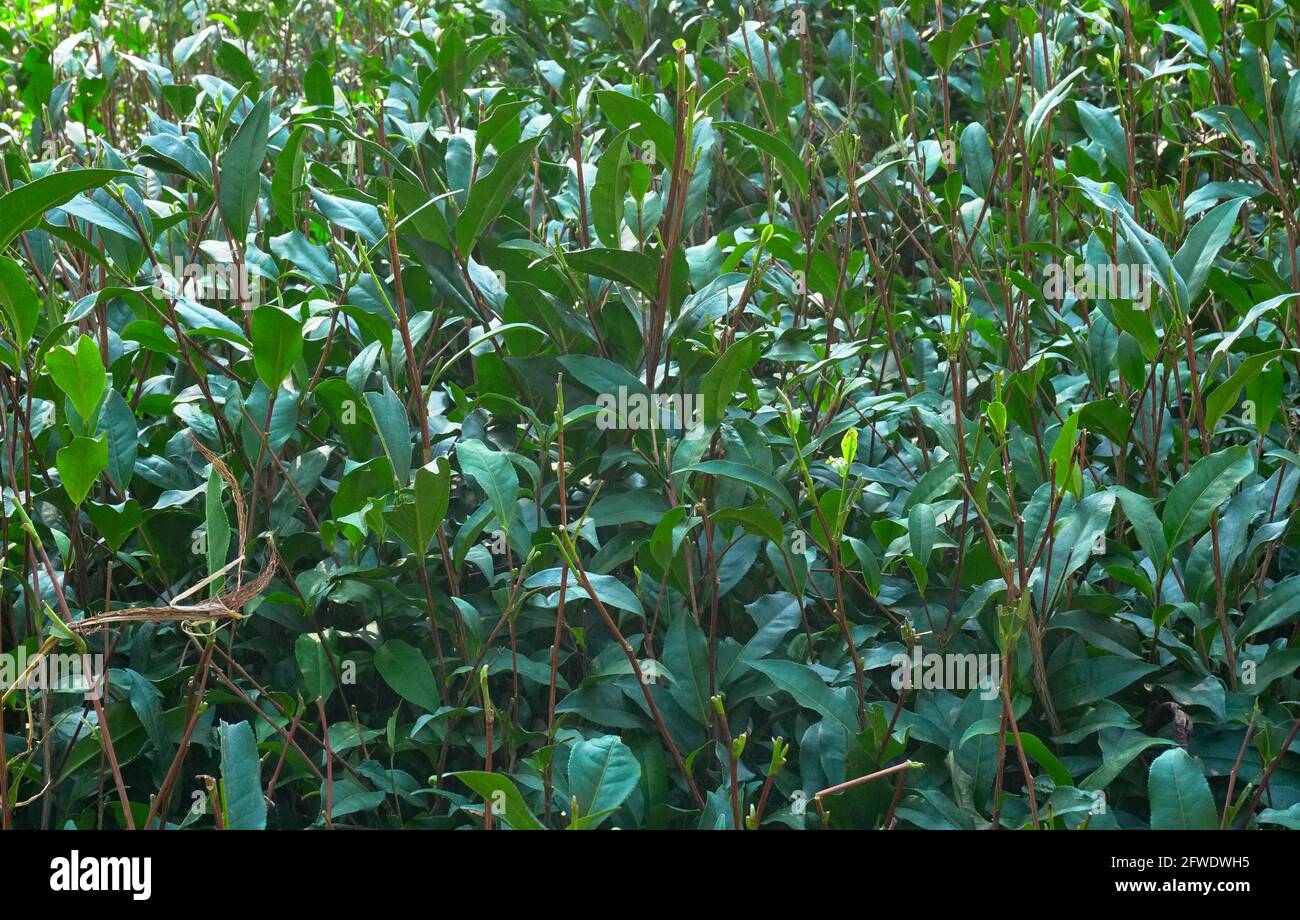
(417, 522)
(79, 372)
(80, 464)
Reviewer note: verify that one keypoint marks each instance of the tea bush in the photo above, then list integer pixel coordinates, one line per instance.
(592, 413)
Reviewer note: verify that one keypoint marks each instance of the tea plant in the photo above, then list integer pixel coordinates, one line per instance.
(591, 413)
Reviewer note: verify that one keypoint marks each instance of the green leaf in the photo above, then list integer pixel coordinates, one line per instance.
(218, 530)
(1108, 416)
(115, 522)
(289, 166)
(641, 121)
(609, 590)
(1279, 606)
(416, 522)
(498, 122)
(1245, 325)
(80, 464)
(787, 161)
(1290, 818)
(921, 532)
(977, 157)
(314, 664)
(1291, 113)
(945, 45)
(603, 772)
(1036, 749)
(755, 520)
(495, 475)
(1200, 493)
(686, 653)
(720, 381)
(1265, 393)
(1224, 396)
(277, 345)
(809, 691)
(1077, 535)
(1196, 256)
(1118, 760)
(1180, 796)
(117, 424)
(241, 778)
(350, 796)
(394, 430)
(79, 372)
(405, 670)
(1105, 128)
(20, 308)
(1085, 680)
(361, 217)
(241, 169)
(1150, 533)
(490, 193)
(146, 700)
(763, 483)
(1068, 474)
(602, 376)
(610, 190)
(453, 62)
(495, 787)
(24, 206)
(316, 84)
(867, 562)
(1042, 109)
(637, 269)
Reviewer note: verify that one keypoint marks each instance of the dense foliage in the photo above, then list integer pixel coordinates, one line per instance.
(593, 413)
